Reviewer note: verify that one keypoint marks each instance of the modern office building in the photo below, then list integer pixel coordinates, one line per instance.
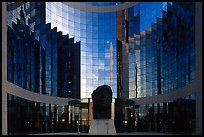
(54, 54)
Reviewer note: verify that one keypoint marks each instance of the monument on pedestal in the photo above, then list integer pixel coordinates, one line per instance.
(102, 124)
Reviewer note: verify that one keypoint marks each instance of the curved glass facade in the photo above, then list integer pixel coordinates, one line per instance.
(36, 117)
(43, 61)
(149, 56)
(97, 34)
(160, 60)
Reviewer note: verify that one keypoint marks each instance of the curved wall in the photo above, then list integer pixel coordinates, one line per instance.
(126, 25)
(161, 59)
(100, 8)
(97, 34)
(84, 27)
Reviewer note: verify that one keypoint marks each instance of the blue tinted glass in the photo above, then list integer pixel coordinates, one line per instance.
(102, 3)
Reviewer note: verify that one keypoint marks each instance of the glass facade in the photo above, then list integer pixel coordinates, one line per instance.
(44, 61)
(26, 117)
(145, 50)
(175, 116)
(97, 34)
(161, 47)
(155, 50)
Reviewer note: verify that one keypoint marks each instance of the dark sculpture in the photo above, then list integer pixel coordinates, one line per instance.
(102, 98)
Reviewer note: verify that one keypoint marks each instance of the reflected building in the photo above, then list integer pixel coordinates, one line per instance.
(97, 34)
(62, 51)
(49, 66)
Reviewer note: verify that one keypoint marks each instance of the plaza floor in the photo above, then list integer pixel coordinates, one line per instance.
(131, 133)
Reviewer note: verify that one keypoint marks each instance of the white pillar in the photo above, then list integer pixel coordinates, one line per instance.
(4, 70)
(198, 50)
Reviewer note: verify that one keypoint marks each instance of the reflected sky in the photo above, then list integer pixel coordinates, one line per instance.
(97, 33)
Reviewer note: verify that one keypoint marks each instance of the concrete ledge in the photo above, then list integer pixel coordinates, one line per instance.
(78, 5)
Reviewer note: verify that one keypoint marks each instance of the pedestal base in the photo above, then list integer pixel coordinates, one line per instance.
(102, 127)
